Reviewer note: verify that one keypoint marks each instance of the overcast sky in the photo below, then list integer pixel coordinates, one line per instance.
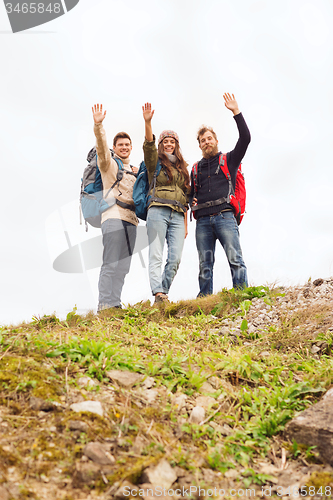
(182, 55)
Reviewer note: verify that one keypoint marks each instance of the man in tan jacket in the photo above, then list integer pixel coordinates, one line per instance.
(119, 222)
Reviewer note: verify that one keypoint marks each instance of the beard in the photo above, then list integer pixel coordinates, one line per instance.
(210, 151)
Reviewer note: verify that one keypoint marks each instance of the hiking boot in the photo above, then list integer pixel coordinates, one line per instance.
(162, 297)
(104, 307)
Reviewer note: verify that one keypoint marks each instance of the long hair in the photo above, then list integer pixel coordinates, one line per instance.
(180, 164)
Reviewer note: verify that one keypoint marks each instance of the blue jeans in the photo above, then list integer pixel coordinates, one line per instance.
(118, 242)
(222, 227)
(163, 223)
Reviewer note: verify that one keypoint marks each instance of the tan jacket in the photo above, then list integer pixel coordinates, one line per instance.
(109, 169)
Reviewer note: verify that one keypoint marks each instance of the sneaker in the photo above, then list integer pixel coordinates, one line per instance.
(162, 297)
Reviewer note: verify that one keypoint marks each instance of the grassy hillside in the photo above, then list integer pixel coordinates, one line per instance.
(252, 359)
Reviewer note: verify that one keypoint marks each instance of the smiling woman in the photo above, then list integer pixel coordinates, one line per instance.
(167, 211)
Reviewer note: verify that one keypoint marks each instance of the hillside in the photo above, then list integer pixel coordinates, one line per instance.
(184, 395)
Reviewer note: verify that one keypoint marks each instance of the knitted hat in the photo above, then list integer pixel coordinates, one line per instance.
(168, 133)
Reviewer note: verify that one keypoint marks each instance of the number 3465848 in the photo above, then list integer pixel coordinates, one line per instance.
(33, 8)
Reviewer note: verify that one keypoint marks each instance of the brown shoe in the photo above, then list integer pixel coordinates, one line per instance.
(161, 297)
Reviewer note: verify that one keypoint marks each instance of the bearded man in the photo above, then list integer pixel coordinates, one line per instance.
(215, 216)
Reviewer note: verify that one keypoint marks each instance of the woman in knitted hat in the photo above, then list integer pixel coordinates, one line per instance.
(167, 211)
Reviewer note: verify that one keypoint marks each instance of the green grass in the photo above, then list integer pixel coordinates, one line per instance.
(181, 347)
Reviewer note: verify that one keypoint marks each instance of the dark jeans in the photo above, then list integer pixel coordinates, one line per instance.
(118, 242)
(222, 227)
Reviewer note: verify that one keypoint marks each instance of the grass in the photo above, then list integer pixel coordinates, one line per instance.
(180, 345)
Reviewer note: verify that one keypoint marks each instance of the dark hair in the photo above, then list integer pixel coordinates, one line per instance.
(203, 130)
(121, 135)
(180, 164)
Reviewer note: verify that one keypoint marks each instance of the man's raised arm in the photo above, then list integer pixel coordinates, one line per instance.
(103, 151)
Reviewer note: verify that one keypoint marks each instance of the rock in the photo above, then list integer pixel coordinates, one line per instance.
(231, 474)
(224, 429)
(39, 404)
(92, 406)
(85, 473)
(86, 382)
(215, 382)
(318, 282)
(125, 488)
(150, 395)
(139, 444)
(146, 490)
(148, 383)
(180, 472)
(208, 475)
(98, 453)
(162, 475)
(180, 401)
(315, 349)
(328, 394)
(205, 401)
(269, 469)
(124, 378)
(206, 387)
(4, 495)
(314, 427)
(197, 415)
(77, 425)
(264, 354)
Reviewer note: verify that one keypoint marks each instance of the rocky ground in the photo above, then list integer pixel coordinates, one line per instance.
(228, 394)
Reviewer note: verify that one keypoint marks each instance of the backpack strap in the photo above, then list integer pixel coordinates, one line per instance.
(120, 175)
(223, 166)
(195, 176)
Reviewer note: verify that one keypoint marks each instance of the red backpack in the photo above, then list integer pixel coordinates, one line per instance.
(236, 197)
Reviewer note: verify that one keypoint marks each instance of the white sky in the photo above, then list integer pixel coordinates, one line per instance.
(181, 55)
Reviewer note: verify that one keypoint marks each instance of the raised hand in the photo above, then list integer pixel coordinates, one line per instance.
(148, 113)
(98, 114)
(231, 103)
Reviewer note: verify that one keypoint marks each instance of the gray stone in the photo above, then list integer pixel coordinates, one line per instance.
(215, 382)
(224, 429)
(85, 473)
(146, 490)
(92, 406)
(99, 453)
(328, 394)
(124, 378)
(314, 427)
(150, 395)
(77, 425)
(86, 382)
(264, 354)
(179, 401)
(139, 444)
(148, 383)
(122, 492)
(205, 401)
(197, 415)
(206, 387)
(231, 474)
(39, 404)
(162, 475)
(4, 495)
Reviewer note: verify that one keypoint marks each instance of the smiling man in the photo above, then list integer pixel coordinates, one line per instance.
(210, 194)
(119, 222)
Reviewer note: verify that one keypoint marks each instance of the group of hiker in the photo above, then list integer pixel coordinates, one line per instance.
(209, 192)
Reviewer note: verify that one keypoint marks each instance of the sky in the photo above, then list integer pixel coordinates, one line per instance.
(180, 55)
